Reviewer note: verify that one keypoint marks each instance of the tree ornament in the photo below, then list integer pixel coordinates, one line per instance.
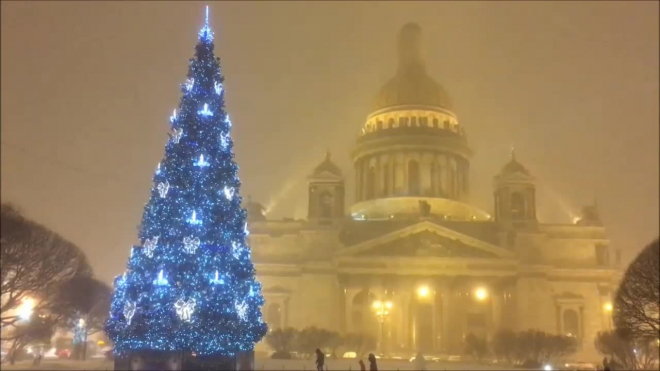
(216, 280)
(236, 249)
(190, 83)
(163, 188)
(158, 169)
(161, 281)
(190, 244)
(176, 135)
(218, 88)
(245, 230)
(173, 117)
(227, 120)
(185, 309)
(205, 111)
(129, 311)
(150, 246)
(229, 192)
(241, 310)
(201, 162)
(224, 141)
(193, 219)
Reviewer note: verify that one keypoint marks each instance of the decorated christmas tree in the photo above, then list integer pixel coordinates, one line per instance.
(190, 286)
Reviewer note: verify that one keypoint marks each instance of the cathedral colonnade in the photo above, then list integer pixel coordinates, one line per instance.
(412, 173)
(428, 315)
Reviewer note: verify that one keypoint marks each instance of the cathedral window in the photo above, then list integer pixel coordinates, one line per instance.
(435, 122)
(403, 121)
(517, 206)
(326, 205)
(571, 323)
(413, 178)
(424, 121)
(413, 121)
(390, 123)
(274, 316)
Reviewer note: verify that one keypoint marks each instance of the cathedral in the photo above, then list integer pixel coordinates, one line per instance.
(411, 262)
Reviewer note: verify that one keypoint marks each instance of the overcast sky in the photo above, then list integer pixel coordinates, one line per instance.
(88, 88)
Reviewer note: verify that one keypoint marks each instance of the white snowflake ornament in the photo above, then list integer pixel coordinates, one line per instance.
(150, 246)
(129, 311)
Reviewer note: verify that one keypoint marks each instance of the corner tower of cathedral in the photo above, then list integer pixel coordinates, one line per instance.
(412, 148)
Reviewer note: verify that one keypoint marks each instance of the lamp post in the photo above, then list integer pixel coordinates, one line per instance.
(382, 309)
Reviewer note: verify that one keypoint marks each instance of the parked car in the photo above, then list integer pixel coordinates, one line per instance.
(64, 353)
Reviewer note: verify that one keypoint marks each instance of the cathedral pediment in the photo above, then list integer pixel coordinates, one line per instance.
(426, 239)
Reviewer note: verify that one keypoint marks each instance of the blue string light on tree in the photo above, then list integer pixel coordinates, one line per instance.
(173, 117)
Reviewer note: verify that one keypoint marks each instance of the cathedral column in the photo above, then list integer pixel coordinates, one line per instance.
(447, 295)
(365, 174)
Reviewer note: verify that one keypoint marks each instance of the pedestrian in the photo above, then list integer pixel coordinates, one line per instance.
(320, 360)
(372, 362)
(362, 368)
(606, 365)
(420, 362)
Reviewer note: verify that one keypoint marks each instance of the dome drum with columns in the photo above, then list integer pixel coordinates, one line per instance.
(412, 238)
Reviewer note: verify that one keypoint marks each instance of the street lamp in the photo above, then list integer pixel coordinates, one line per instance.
(423, 291)
(608, 307)
(25, 309)
(382, 309)
(481, 294)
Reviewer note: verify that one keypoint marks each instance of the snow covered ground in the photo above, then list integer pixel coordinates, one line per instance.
(59, 364)
(260, 364)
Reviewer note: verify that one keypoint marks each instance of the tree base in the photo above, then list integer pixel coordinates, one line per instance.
(179, 361)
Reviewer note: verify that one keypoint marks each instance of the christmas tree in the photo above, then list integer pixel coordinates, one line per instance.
(191, 286)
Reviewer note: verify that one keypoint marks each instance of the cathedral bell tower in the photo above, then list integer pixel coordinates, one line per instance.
(515, 195)
(326, 193)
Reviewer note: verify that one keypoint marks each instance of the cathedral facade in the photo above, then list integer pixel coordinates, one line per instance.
(411, 261)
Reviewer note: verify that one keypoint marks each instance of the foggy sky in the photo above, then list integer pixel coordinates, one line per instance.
(88, 88)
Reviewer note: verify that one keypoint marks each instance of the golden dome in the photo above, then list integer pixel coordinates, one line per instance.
(411, 85)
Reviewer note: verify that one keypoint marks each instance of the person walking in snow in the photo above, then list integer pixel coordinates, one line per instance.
(362, 368)
(372, 362)
(420, 362)
(320, 360)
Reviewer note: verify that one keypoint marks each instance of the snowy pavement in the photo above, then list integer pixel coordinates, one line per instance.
(260, 365)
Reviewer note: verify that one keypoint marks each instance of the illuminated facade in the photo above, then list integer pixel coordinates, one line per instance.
(412, 239)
